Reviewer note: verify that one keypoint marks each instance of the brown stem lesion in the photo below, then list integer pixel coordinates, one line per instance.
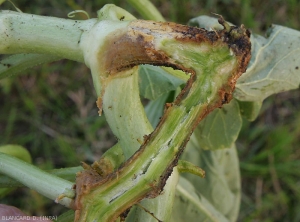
(142, 43)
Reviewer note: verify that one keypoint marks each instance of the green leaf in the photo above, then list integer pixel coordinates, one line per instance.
(215, 197)
(155, 108)
(16, 151)
(250, 110)
(191, 206)
(15, 64)
(274, 66)
(220, 128)
(160, 207)
(155, 82)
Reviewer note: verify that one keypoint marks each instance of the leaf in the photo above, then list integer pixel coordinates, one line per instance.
(160, 206)
(250, 110)
(15, 64)
(218, 194)
(274, 66)
(155, 108)
(191, 206)
(16, 151)
(220, 128)
(155, 82)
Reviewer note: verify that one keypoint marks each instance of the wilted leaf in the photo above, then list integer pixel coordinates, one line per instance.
(274, 66)
(220, 128)
(155, 82)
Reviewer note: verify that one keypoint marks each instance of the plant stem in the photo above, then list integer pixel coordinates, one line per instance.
(216, 59)
(111, 49)
(64, 173)
(45, 183)
(187, 167)
(139, 115)
(26, 33)
(126, 116)
(125, 113)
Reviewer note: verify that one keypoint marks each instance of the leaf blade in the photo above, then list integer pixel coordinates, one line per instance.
(274, 66)
(15, 64)
(154, 82)
(220, 128)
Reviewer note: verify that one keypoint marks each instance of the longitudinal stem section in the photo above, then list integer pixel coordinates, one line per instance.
(216, 59)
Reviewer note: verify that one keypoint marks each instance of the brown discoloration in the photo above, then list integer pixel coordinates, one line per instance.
(140, 39)
(99, 105)
(136, 46)
(241, 46)
(103, 167)
(124, 215)
(89, 179)
(84, 181)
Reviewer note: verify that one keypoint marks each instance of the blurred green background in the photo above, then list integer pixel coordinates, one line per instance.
(51, 111)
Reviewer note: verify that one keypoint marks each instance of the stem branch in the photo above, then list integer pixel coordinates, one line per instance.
(45, 183)
(26, 33)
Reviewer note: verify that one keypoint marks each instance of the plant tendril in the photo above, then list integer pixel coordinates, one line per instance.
(72, 14)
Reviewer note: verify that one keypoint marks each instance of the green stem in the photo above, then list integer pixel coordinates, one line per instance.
(187, 167)
(26, 33)
(147, 10)
(42, 35)
(46, 184)
(64, 173)
(215, 59)
(126, 116)
(125, 113)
